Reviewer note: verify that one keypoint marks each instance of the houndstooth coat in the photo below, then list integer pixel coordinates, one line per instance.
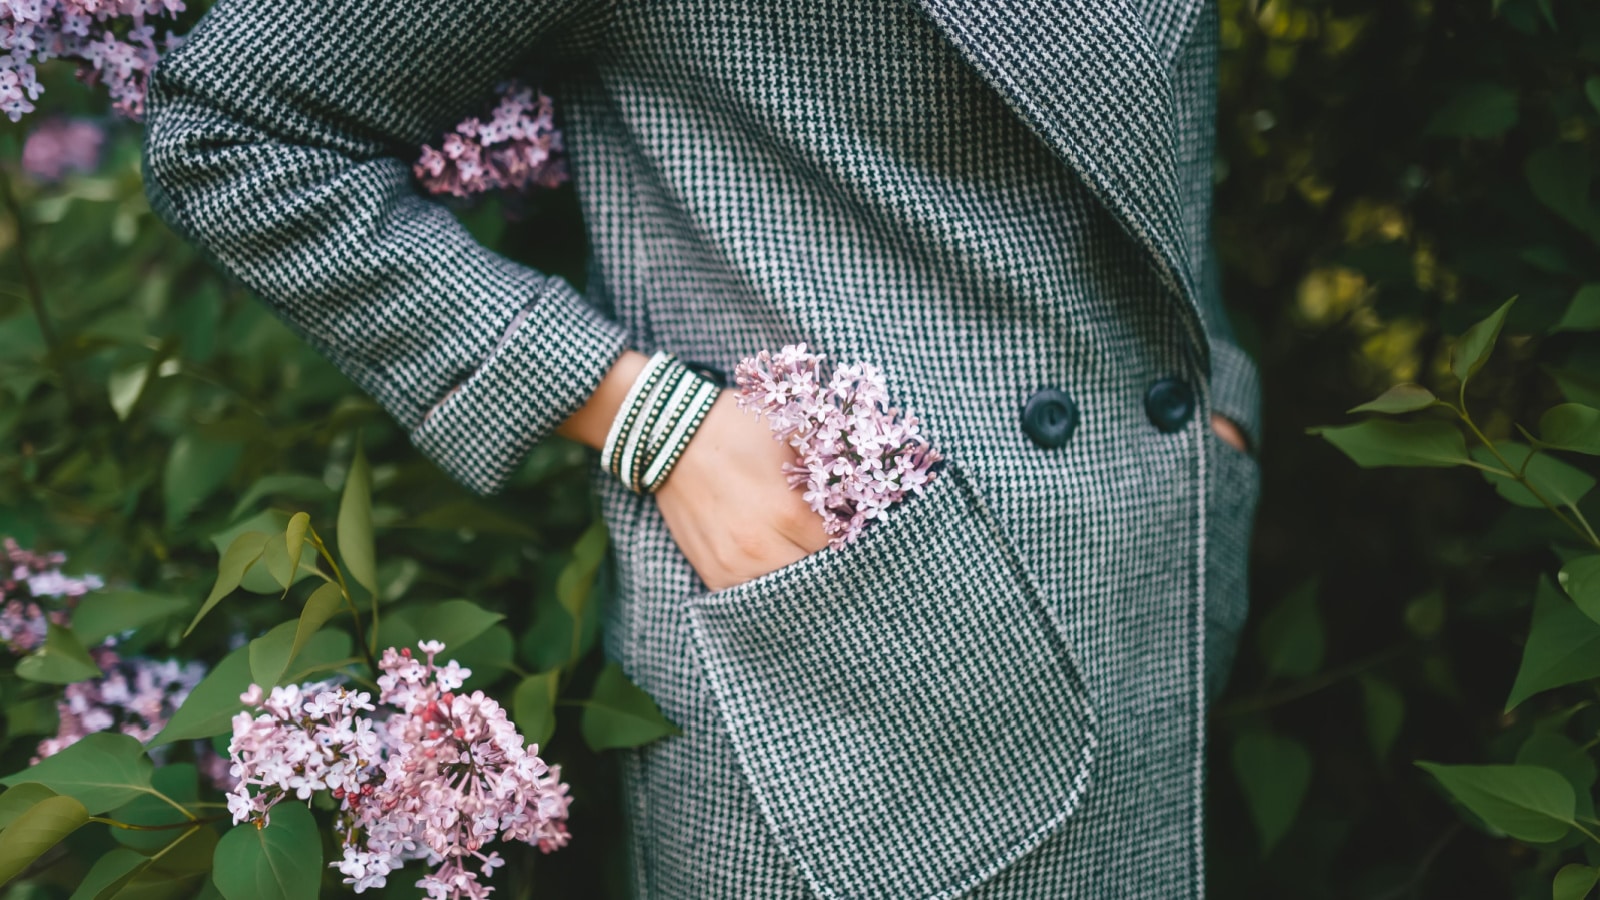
(998, 692)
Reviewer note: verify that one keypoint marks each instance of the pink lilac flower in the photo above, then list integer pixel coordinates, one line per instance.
(435, 775)
(856, 455)
(135, 696)
(111, 41)
(26, 577)
(516, 149)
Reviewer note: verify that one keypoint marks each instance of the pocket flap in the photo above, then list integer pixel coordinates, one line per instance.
(907, 710)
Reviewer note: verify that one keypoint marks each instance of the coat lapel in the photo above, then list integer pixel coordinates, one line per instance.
(1090, 79)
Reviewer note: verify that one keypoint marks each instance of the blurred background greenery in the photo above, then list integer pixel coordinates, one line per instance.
(1390, 172)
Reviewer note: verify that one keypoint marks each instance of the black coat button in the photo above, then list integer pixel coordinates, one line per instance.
(1050, 417)
(1170, 404)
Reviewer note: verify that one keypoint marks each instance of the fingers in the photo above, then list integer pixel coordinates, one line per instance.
(1231, 434)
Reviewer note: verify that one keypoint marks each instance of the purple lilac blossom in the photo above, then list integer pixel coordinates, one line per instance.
(59, 145)
(86, 31)
(856, 455)
(517, 149)
(434, 776)
(133, 695)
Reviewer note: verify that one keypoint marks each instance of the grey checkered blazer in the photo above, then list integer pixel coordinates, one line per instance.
(998, 692)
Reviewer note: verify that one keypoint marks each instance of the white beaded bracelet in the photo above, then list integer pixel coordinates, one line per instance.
(663, 408)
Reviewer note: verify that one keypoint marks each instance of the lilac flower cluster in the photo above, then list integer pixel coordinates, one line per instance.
(434, 776)
(59, 145)
(517, 149)
(26, 578)
(35, 31)
(856, 456)
(135, 696)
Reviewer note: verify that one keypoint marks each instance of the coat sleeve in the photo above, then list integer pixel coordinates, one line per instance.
(279, 138)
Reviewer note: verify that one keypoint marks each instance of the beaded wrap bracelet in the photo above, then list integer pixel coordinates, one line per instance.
(661, 412)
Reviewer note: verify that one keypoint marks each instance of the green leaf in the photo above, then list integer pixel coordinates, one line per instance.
(1380, 442)
(453, 623)
(196, 467)
(102, 771)
(179, 781)
(282, 861)
(1402, 398)
(124, 386)
(1571, 426)
(1583, 313)
(1529, 803)
(45, 824)
(294, 538)
(1472, 349)
(1574, 882)
(210, 707)
(60, 660)
(1274, 773)
(1558, 481)
(534, 707)
(619, 714)
(109, 612)
(322, 605)
(576, 581)
(488, 655)
(1553, 750)
(1591, 88)
(111, 873)
(324, 651)
(1580, 578)
(1563, 647)
(298, 487)
(1291, 634)
(1560, 177)
(1478, 110)
(236, 560)
(355, 524)
(1385, 711)
(17, 800)
(269, 654)
(273, 523)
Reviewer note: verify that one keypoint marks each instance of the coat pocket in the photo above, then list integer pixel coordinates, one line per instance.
(907, 709)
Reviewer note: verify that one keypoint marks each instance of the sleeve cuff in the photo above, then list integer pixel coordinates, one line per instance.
(541, 373)
(1236, 389)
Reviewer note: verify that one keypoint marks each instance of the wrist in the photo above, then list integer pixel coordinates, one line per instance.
(588, 426)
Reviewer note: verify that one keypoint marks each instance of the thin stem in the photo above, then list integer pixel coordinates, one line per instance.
(187, 823)
(1578, 514)
(1522, 479)
(361, 635)
(30, 279)
(172, 803)
(1586, 832)
(1311, 685)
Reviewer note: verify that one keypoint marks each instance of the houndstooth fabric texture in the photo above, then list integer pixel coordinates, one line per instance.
(999, 691)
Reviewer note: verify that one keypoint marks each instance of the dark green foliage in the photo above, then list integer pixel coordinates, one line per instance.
(1396, 172)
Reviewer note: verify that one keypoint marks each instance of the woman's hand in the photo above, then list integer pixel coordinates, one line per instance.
(728, 503)
(1231, 434)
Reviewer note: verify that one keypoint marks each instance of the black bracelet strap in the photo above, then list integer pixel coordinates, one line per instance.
(704, 398)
